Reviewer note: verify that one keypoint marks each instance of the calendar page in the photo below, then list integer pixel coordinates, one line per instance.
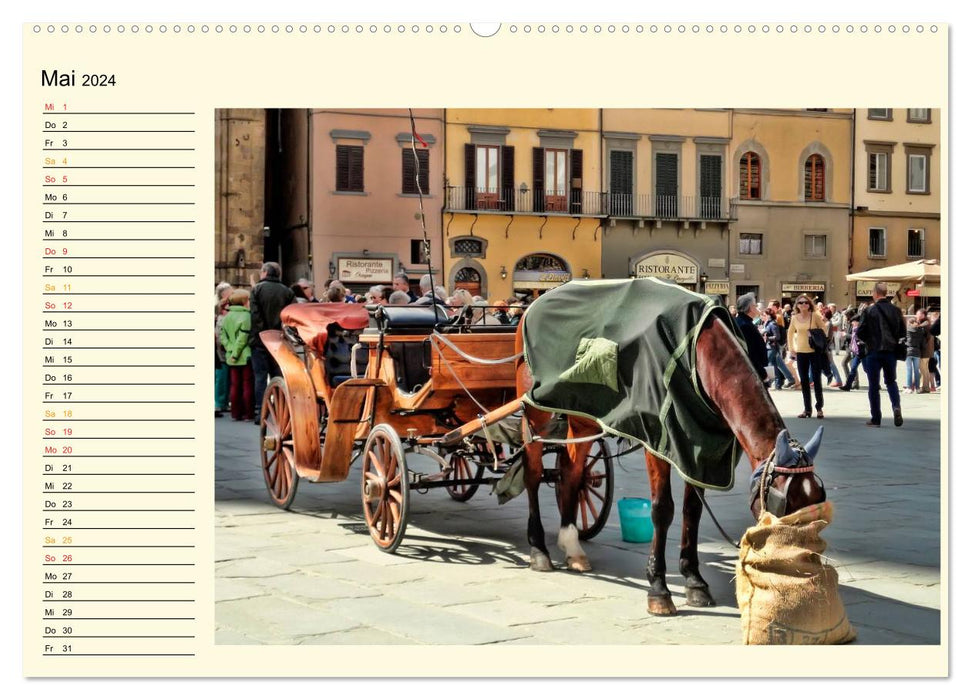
(276, 277)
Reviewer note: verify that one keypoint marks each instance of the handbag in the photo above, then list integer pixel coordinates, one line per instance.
(817, 339)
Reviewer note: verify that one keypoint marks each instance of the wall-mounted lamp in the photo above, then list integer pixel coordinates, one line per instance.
(586, 274)
(523, 189)
(332, 268)
(401, 267)
(365, 251)
(502, 271)
(703, 278)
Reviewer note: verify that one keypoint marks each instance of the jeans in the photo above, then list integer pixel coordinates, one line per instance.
(263, 365)
(806, 361)
(913, 372)
(855, 363)
(222, 387)
(781, 371)
(832, 368)
(884, 361)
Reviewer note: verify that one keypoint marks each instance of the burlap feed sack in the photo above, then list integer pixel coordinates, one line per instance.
(785, 592)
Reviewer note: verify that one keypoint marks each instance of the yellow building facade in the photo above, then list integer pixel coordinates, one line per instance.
(523, 202)
(791, 171)
(897, 208)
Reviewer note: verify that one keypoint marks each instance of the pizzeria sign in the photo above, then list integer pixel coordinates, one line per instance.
(372, 270)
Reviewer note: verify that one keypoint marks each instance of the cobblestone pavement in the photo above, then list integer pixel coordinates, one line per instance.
(313, 575)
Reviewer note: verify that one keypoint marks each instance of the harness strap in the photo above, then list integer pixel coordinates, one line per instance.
(477, 360)
(735, 543)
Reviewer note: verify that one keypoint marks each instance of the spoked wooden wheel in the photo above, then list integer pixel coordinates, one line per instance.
(384, 487)
(276, 440)
(463, 469)
(596, 491)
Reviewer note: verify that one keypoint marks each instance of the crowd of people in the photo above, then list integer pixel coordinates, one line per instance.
(242, 363)
(796, 347)
(792, 346)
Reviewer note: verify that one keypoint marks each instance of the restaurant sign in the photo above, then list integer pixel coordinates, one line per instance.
(803, 287)
(668, 266)
(864, 288)
(365, 270)
(716, 287)
(540, 279)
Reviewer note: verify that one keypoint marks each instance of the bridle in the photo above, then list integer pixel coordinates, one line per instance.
(770, 498)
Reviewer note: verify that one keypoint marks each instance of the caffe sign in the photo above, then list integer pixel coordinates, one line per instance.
(864, 288)
(365, 270)
(668, 266)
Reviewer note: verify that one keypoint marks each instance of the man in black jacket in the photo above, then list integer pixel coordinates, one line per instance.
(881, 330)
(267, 299)
(747, 312)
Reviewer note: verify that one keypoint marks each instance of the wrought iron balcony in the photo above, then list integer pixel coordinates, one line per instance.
(595, 204)
(671, 207)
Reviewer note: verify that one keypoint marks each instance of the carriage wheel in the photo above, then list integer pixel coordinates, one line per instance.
(384, 487)
(276, 439)
(462, 469)
(596, 491)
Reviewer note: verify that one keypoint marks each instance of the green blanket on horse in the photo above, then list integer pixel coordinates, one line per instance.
(622, 352)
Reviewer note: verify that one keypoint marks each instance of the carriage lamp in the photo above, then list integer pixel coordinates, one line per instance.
(332, 268)
(703, 278)
(502, 271)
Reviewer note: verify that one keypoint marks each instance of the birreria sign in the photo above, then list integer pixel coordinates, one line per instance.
(667, 266)
(364, 269)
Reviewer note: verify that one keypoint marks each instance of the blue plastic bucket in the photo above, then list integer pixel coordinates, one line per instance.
(635, 520)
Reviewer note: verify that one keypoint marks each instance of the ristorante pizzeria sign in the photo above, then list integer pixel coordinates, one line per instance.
(374, 270)
(668, 266)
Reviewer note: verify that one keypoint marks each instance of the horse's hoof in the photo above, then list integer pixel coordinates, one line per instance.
(540, 561)
(579, 564)
(661, 605)
(699, 597)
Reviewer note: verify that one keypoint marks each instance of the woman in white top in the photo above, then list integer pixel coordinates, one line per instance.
(803, 319)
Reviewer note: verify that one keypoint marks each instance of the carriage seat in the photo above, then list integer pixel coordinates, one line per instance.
(331, 330)
(411, 319)
(337, 355)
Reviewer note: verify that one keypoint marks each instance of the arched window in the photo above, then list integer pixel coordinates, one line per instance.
(815, 179)
(750, 176)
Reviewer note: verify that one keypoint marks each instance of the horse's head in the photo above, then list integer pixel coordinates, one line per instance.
(786, 481)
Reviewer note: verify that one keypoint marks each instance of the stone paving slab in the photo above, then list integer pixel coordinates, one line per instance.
(460, 576)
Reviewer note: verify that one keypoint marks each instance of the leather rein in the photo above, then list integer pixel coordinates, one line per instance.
(770, 498)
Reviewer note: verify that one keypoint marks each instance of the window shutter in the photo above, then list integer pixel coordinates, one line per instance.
(576, 181)
(666, 184)
(343, 168)
(711, 186)
(750, 176)
(470, 176)
(507, 179)
(621, 183)
(356, 169)
(539, 181)
(407, 171)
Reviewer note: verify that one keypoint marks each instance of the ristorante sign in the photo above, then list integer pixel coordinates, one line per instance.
(373, 270)
(668, 266)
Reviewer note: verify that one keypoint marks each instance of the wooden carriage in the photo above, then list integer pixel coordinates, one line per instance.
(391, 381)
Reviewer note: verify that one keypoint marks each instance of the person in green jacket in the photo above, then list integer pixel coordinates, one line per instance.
(234, 336)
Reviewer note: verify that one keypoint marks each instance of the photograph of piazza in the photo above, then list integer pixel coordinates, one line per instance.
(415, 532)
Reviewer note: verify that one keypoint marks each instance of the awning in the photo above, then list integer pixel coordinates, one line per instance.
(916, 271)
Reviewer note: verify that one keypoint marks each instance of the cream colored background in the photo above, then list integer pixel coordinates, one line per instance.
(200, 72)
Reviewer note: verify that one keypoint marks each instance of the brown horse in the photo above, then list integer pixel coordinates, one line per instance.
(731, 384)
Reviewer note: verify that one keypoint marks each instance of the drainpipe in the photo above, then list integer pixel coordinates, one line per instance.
(729, 170)
(441, 216)
(603, 187)
(310, 228)
(852, 216)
